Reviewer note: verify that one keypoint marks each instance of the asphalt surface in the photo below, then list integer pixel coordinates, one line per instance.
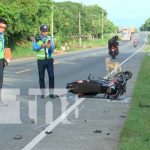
(86, 124)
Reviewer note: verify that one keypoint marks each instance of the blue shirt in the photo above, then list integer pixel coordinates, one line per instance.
(37, 47)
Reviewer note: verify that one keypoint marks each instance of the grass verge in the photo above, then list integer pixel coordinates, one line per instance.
(25, 50)
(136, 132)
(86, 44)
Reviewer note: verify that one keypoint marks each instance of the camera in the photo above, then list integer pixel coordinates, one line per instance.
(48, 42)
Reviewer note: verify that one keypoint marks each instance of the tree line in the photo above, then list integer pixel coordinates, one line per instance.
(146, 25)
(25, 16)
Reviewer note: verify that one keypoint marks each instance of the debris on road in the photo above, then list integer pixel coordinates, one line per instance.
(97, 131)
(48, 132)
(18, 137)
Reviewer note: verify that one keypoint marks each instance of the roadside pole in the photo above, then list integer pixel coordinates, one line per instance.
(79, 28)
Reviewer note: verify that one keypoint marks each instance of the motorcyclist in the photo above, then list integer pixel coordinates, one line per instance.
(113, 42)
(135, 41)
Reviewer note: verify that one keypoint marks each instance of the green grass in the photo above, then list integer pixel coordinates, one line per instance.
(96, 42)
(24, 50)
(86, 44)
(136, 132)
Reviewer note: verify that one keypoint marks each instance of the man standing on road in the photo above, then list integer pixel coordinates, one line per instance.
(44, 46)
(3, 62)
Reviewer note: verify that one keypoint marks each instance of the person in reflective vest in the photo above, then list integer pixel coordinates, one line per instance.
(3, 61)
(44, 46)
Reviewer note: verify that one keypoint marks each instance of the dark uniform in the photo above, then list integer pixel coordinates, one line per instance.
(45, 60)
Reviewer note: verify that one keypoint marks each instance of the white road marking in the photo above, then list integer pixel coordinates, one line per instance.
(135, 52)
(27, 70)
(22, 59)
(71, 59)
(126, 45)
(120, 100)
(41, 135)
(56, 62)
(85, 56)
(124, 100)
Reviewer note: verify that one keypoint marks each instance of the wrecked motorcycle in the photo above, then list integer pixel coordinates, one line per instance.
(112, 88)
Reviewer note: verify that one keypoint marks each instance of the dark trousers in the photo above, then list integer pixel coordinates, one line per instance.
(1, 75)
(43, 65)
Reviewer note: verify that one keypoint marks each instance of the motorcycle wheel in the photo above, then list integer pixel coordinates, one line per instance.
(128, 75)
(135, 45)
(113, 55)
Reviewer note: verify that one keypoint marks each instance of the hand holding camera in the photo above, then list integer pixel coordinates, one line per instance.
(44, 45)
(47, 44)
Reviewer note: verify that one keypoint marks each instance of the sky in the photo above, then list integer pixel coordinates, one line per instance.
(123, 13)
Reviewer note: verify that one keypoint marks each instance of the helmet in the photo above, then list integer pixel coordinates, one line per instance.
(116, 37)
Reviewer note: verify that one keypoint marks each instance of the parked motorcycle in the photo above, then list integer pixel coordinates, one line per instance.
(112, 88)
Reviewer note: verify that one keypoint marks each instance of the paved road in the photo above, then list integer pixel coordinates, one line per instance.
(25, 119)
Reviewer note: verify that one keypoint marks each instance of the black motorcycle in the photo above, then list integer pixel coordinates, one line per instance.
(113, 52)
(112, 88)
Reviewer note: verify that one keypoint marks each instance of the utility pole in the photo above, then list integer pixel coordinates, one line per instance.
(102, 24)
(52, 21)
(79, 28)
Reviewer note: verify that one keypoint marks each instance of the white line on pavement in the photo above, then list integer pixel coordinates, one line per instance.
(40, 136)
(135, 52)
(27, 70)
(126, 45)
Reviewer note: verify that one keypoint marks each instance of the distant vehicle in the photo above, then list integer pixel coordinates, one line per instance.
(127, 33)
(135, 42)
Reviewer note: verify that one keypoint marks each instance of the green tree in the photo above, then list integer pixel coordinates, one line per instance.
(146, 25)
(25, 16)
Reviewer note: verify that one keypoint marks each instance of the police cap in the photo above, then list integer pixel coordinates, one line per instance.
(44, 28)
